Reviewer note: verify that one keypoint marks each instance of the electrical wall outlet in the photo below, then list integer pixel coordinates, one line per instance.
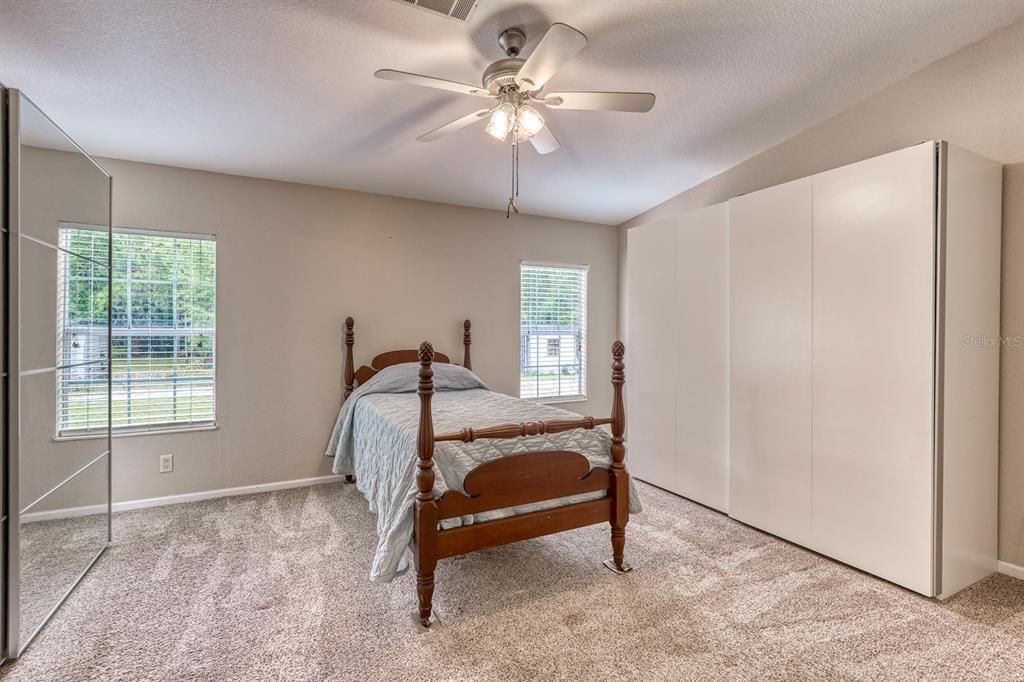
(166, 464)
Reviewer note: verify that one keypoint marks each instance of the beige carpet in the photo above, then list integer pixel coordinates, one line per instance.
(274, 587)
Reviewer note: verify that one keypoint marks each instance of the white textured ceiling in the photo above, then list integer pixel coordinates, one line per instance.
(284, 89)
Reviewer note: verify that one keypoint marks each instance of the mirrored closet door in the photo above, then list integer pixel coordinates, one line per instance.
(58, 395)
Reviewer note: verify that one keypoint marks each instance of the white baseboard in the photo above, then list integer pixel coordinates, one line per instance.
(1012, 570)
(72, 512)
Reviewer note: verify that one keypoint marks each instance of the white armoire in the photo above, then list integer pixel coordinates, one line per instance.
(863, 364)
(678, 331)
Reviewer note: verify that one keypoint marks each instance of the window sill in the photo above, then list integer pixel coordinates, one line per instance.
(558, 400)
(138, 432)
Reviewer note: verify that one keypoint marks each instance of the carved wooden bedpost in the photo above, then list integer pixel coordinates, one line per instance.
(350, 339)
(425, 528)
(620, 477)
(349, 378)
(466, 340)
(350, 370)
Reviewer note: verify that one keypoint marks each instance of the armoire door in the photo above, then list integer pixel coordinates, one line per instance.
(770, 360)
(874, 326)
(702, 356)
(650, 352)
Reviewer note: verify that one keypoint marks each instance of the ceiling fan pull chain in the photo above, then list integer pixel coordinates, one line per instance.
(511, 196)
(517, 164)
(512, 208)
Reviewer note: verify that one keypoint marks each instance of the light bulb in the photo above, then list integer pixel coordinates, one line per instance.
(502, 121)
(530, 122)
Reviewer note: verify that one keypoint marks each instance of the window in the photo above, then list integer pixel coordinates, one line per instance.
(553, 331)
(163, 344)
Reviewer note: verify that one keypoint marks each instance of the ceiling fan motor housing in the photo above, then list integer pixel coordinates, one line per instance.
(502, 73)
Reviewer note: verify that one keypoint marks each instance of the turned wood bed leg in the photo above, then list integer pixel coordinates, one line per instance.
(425, 526)
(466, 340)
(619, 475)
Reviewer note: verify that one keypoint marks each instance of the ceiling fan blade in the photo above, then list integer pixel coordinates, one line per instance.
(458, 123)
(638, 102)
(560, 44)
(431, 82)
(545, 141)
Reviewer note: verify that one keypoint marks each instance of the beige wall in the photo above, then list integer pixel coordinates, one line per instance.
(973, 98)
(292, 262)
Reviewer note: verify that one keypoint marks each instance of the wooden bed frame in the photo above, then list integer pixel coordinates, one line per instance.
(507, 481)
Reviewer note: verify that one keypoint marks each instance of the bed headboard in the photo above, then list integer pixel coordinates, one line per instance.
(355, 377)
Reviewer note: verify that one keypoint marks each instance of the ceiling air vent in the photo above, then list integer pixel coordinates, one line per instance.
(459, 10)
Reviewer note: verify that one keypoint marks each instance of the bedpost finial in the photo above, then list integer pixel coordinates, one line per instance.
(466, 325)
(618, 350)
(426, 353)
(349, 323)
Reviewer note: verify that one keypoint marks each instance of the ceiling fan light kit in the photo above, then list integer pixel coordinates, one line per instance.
(513, 115)
(516, 85)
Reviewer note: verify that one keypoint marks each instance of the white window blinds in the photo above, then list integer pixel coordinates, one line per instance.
(163, 344)
(553, 331)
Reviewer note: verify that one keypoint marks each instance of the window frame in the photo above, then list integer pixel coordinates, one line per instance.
(584, 328)
(126, 430)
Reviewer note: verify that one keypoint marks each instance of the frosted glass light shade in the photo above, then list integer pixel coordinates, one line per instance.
(502, 121)
(530, 122)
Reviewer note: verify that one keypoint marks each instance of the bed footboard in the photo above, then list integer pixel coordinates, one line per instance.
(522, 479)
(512, 481)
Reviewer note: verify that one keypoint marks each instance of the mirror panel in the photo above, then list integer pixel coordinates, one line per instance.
(49, 461)
(60, 247)
(4, 395)
(61, 535)
(64, 309)
(59, 182)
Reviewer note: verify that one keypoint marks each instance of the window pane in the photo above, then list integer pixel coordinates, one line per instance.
(553, 305)
(122, 245)
(164, 320)
(120, 304)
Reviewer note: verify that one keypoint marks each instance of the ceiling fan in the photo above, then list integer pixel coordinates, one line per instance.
(515, 86)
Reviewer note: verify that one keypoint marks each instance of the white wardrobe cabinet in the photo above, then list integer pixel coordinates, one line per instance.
(678, 331)
(770, 392)
(855, 394)
(650, 392)
(833, 362)
(874, 368)
(702, 356)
